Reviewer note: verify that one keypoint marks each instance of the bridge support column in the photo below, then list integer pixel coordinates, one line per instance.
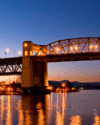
(40, 74)
(34, 74)
(27, 65)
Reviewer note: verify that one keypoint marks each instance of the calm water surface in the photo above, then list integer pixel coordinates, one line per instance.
(80, 108)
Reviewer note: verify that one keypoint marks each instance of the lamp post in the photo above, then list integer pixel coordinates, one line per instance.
(19, 52)
(7, 50)
(5, 54)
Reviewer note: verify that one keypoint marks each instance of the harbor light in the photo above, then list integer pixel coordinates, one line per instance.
(73, 88)
(63, 85)
(57, 89)
(50, 87)
(8, 88)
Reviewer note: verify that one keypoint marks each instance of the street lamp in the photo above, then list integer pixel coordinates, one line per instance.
(18, 52)
(6, 51)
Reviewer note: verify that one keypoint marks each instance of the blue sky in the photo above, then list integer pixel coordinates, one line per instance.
(46, 21)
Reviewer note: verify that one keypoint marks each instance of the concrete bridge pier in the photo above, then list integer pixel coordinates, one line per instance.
(34, 74)
(40, 74)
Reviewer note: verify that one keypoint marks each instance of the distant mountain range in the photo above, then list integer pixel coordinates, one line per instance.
(75, 83)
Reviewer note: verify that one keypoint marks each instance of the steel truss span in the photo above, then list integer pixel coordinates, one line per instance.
(67, 46)
(11, 66)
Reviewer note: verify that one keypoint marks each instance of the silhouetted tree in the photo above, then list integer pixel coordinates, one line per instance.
(69, 85)
(14, 86)
(19, 85)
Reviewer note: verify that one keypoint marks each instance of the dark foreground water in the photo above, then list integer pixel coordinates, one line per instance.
(80, 108)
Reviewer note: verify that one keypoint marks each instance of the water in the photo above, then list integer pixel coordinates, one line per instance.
(80, 108)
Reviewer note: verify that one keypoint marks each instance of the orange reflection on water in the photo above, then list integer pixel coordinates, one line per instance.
(47, 108)
(51, 105)
(75, 120)
(20, 113)
(96, 120)
(41, 116)
(28, 118)
(63, 108)
(2, 109)
(9, 115)
(60, 114)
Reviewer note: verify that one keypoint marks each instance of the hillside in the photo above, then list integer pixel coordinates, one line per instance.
(75, 83)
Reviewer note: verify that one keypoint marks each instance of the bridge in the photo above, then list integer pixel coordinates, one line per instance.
(33, 64)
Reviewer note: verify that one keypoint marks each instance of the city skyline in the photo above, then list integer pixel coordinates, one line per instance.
(44, 22)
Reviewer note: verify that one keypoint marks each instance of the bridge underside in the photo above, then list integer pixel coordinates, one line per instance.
(10, 73)
(69, 57)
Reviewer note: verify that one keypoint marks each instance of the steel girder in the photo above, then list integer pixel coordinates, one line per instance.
(11, 69)
(67, 46)
(11, 66)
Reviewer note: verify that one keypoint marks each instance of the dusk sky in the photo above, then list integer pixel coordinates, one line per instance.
(46, 21)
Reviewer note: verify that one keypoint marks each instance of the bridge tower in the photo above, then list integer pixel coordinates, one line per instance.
(33, 73)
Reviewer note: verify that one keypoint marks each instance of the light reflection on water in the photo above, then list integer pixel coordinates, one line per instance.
(80, 108)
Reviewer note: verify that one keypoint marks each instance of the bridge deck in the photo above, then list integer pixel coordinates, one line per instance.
(55, 58)
(14, 65)
(10, 73)
(9, 61)
(69, 57)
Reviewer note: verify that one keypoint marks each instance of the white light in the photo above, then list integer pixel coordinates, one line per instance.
(57, 49)
(96, 46)
(71, 48)
(19, 52)
(7, 50)
(91, 46)
(76, 48)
